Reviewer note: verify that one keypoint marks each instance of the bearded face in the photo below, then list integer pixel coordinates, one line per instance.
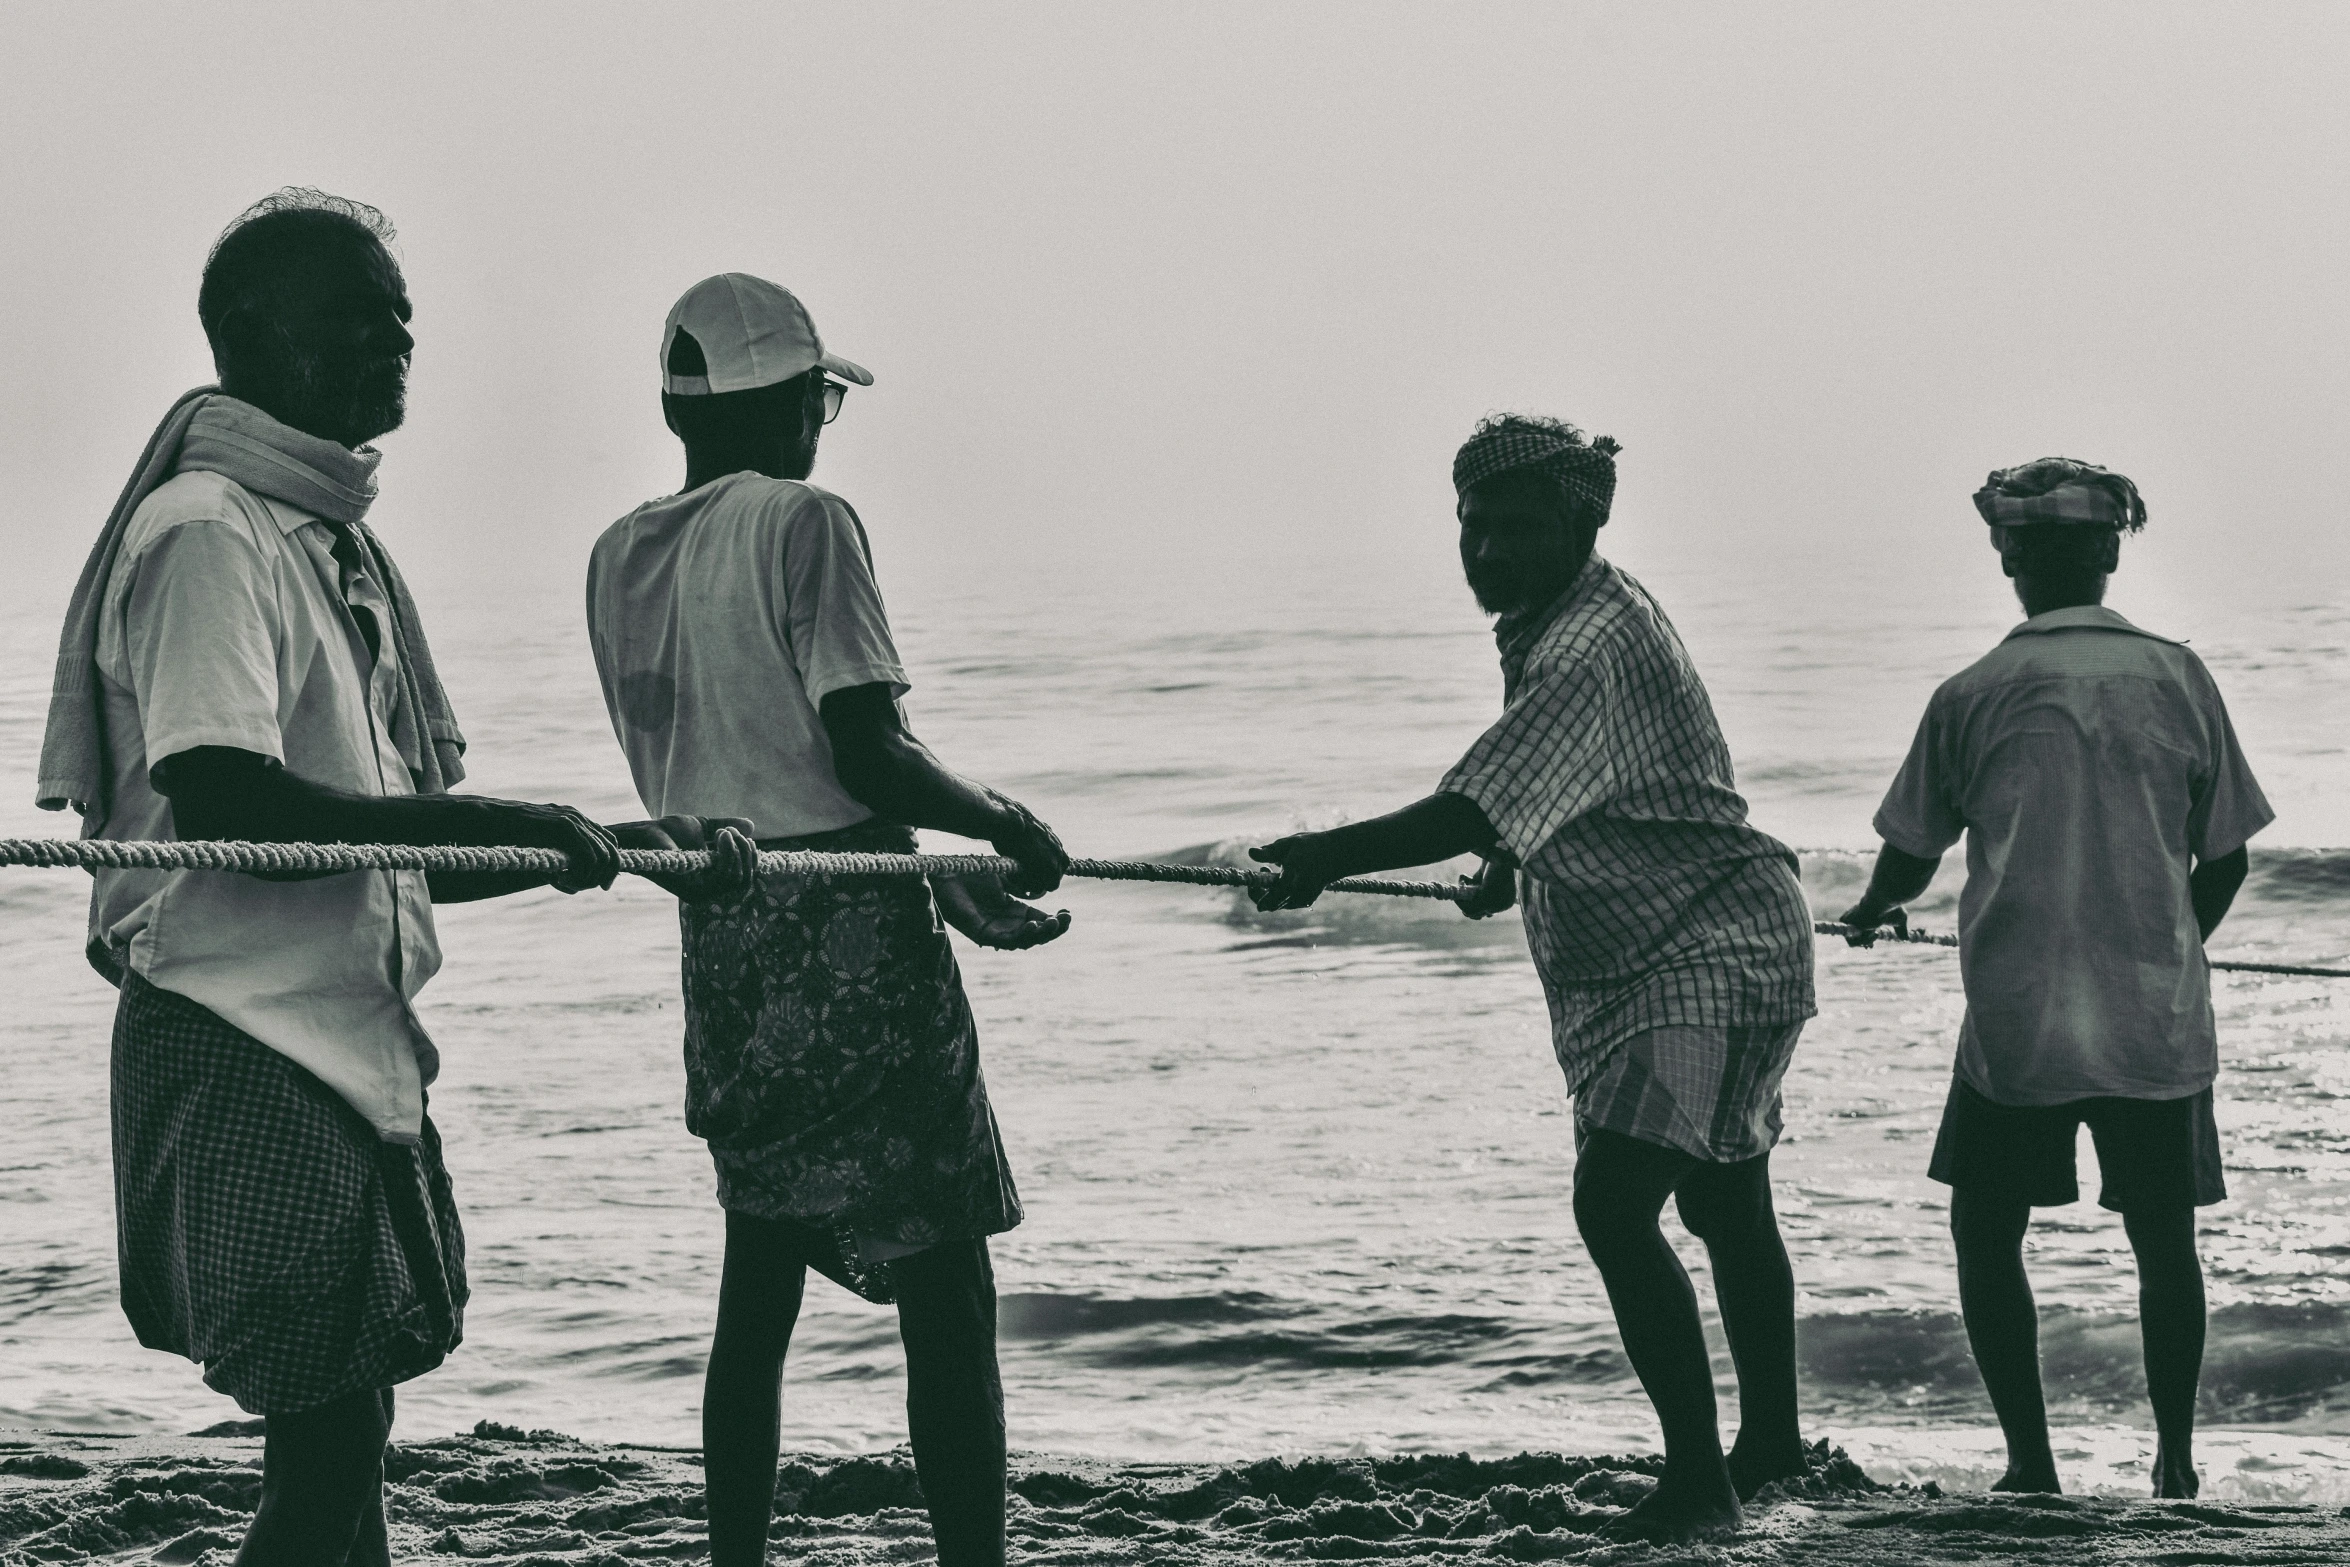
(330, 358)
(346, 398)
(1519, 547)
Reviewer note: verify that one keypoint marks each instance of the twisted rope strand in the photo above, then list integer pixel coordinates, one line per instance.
(108, 854)
(1939, 939)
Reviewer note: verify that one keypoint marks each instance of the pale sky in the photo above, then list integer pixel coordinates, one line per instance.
(1154, 293)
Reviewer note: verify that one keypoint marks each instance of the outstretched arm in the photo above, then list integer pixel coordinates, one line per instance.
(1898, 877)
(895, 776)
(222, 792)
(1435, 828)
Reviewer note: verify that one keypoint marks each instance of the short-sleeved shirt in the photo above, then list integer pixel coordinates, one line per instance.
(228, 621)
(721, 619)
(2089, 765)
(1649, 900)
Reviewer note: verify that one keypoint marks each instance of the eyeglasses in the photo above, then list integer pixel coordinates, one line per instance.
(834, 393)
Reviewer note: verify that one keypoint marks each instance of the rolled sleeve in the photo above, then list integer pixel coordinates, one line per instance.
(2228, 807)
(200, 637)
(1920, 816)
(1546, 761)
(834, 619)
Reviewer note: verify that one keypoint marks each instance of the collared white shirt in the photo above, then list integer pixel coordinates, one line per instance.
(2090, 765)
(229, 622)
(720, 620)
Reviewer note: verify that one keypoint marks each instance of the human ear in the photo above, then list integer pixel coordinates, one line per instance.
(246, 354)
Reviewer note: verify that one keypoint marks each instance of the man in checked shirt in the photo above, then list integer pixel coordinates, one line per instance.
(1672, 938)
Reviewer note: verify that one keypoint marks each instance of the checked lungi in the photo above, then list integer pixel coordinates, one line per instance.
(1712, 1093)
(264, 1228)
(1671, 935)
(832, 1063)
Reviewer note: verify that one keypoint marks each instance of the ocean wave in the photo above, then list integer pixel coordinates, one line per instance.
(1255, 1331)
(2267, 1364)
(2262, 1363)
(2297, 878)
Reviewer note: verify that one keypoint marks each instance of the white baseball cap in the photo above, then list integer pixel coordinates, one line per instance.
(749, 334)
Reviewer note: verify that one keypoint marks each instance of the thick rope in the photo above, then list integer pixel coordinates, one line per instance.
(107, 854)
(1924, 938)
(1939, 939)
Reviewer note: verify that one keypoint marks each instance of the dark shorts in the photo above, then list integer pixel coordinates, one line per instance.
(263, 1228)
(2152, 1153)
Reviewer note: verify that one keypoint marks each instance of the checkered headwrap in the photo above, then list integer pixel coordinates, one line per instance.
(1583, 469)
(2059, 489)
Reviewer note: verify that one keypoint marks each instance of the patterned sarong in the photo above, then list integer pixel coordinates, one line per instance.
(832, 1063)
(264, 1229)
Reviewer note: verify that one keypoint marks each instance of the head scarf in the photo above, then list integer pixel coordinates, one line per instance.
(2060, 490)
(1583, 469)
(211, 432)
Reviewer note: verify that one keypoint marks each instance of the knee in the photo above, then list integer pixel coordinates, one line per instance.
(1983, 1226)
(755, 1326)
(330, 1446)
(360, 1421)
(2164, 1242)
(1609, 1219)
(1724, 1216)
(745, 1345)
(946, 1301)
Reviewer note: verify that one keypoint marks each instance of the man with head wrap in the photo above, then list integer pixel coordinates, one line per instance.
(2092, 769)
(1672, 938)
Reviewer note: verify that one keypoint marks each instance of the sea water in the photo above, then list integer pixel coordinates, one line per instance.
(1296, 1183)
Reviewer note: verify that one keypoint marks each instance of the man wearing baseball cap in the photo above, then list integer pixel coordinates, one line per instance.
(2092, 769)
(831, 1059)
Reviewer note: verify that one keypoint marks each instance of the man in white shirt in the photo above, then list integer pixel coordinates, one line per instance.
(2106, 806)
(242, 660)
(832, 1063)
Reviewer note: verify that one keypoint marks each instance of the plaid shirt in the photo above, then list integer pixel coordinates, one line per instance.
(1649, 902)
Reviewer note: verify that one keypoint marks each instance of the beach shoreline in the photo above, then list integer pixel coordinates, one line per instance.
(503, 1495)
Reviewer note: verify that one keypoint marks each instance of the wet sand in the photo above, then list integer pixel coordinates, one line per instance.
(538, 1499)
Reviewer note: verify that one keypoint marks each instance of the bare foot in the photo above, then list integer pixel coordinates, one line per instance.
(2174, 1474)
(2033, 1481)
(1753, 1466)
(1676, 1512)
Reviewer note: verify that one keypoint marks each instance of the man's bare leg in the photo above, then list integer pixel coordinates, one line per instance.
(1728, 1206)
(321, 1472)
(2003, 1327)
(2170, 1320)
(372, 1546)
(742, 1391)
(1620, 1189)
(955, 1397)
